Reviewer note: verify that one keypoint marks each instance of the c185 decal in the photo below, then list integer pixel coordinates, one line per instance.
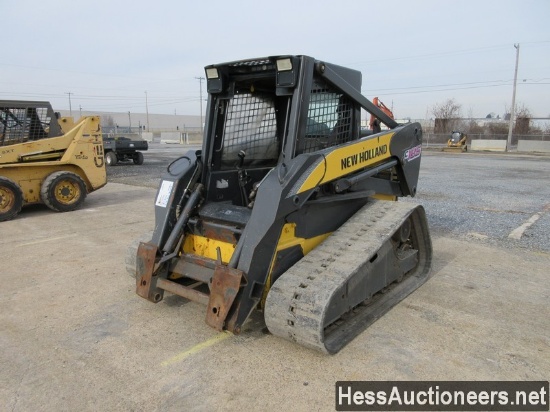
(413, 153)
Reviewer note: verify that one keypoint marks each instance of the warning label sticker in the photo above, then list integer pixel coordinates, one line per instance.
(164, 193)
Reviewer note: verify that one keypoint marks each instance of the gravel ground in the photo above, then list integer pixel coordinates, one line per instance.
(75, 337)
(484, 197)
(156, 159)
(480, 197)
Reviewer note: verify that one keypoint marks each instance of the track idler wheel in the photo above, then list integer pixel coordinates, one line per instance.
(403, 234)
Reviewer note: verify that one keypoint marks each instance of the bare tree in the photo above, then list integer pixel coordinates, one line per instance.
(470, 126)
(496, 128)
(447, 115)
(107, 121)
(520, 109)
(523, 120)
(448, 109)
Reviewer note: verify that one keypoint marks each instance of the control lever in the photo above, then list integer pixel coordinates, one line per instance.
(241, 156)
(243, 177)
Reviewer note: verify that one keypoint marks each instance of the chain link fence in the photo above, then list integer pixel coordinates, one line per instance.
(440, 139)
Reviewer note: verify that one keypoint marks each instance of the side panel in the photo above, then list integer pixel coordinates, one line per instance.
(170, 195)
(349, 159)
(404, 144)
(407, 146)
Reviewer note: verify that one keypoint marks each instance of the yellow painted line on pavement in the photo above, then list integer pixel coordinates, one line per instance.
(48, 239)
(197, 348)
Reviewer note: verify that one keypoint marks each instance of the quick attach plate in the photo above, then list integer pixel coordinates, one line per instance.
(223, 290)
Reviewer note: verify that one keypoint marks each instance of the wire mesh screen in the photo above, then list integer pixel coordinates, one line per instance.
(18, 125)
(250, 126)
(329, 121)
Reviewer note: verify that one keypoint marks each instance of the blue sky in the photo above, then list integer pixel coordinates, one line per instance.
(413, 54)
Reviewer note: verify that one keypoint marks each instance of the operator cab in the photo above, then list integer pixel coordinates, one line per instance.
(255, 113)
(247, 141)
(456, 136)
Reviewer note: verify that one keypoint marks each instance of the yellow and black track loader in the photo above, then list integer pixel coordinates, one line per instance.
(289, 208)
(47, 159)
(457, 142)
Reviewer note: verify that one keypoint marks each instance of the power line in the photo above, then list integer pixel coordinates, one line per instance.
(436, 54)
(445, 53)
(502, 82)
(441, 90)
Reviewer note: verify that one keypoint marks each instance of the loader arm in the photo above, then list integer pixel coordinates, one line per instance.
(327, 71)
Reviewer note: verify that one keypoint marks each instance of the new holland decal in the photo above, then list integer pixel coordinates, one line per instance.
(357, 158)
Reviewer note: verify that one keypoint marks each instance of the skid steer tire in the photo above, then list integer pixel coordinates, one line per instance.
(131, 253)
(63, 191)
(11, 199)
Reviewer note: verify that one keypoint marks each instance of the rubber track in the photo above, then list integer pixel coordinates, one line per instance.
(297, 301)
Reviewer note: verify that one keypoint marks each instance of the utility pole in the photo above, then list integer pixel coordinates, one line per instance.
(147, 110)
(70, 108)
(200, 79)
(130, 123)
(513, 109)
(80, 108)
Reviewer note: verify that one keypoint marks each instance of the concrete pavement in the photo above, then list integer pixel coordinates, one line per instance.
(74, 336)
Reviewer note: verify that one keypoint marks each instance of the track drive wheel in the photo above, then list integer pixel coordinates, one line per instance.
(138, 158)
(63, 191)
(11, 199)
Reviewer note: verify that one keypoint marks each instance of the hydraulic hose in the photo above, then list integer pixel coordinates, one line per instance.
(176, 233)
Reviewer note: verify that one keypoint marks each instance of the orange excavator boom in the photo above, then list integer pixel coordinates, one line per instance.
(374, 123)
